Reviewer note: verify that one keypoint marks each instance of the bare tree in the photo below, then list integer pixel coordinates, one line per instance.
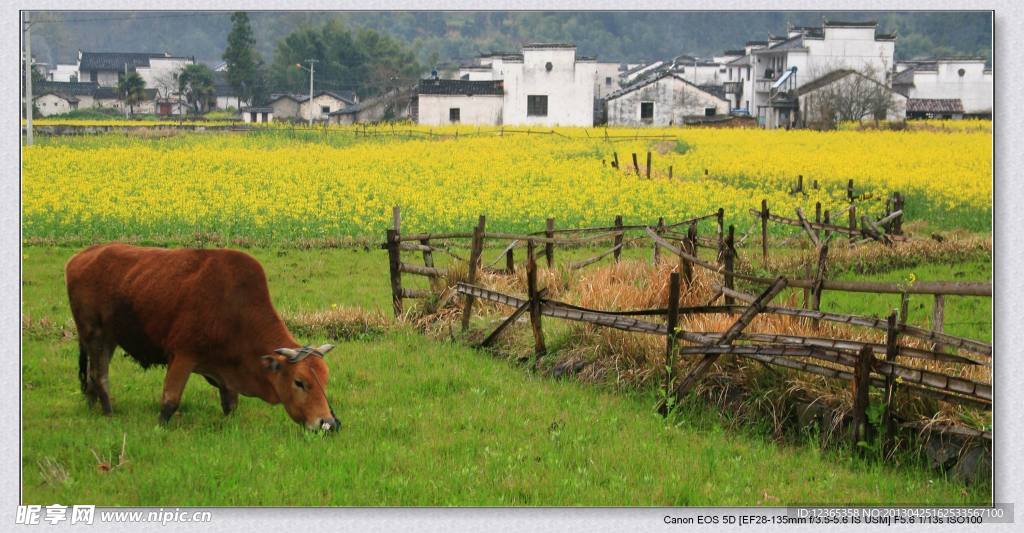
(848, 95)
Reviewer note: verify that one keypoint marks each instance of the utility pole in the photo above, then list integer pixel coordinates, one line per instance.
(311, 62)
(125, 101)
(28, 81)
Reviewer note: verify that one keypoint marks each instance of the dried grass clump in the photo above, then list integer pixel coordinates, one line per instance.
(339, 323)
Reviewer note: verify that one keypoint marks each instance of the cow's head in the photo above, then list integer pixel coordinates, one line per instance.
(299, 377)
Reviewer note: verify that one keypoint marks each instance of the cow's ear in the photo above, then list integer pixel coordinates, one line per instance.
(271, 363)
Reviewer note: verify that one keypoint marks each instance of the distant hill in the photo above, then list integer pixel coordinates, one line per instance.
(445, 36)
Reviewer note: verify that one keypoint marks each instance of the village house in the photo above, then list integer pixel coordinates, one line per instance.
(54, 103)
(159, 70)
(946, 87)
(395, 104)
(299, 107)
(545, 85)
(439, 102)
(819, 96)
(780, 66)
(225, 97)
(666, 99)
(54, 97)
(63, 72)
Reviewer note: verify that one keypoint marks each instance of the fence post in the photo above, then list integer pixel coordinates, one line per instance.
(938, 317)
(800, 183)
(898, 223)
(853, 222)
(474, 259)
(618, 238)
(531, 288)
(549, 248)
(510, 261)
(656, 254)
(891, 351)
(720, 217)
(861, 382)
(728, 257)
(396, 276)
(428, 255)
(615, 160)
(670, 172)
(849, 190)
(764, 231)
(817, 220)
(672, 323)
(648, 164)
(689, 246)
(636, 166)
(819, 282)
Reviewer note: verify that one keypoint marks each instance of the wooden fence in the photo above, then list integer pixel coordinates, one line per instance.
(856, 360)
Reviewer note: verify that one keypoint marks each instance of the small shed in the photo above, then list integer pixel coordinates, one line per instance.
(53, 103)
(258, 115)
(935, 108)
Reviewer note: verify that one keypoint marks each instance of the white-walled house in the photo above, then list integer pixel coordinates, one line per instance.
(809, 53)
(967, 80)
(813, 97)
(545, 85)
(441, 102)
(298, 106)
(161, 73)
(663, 100)
(548, 86)
(54, 103)
(105, 68)
(63, 72)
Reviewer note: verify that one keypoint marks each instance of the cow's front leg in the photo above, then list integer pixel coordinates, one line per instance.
(178, 370)
(228, 400)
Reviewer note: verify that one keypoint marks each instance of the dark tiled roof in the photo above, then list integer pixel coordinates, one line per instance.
(848, 24)
(717, 90)
(256, 110)
(105, 93)
(115, 60)
(461, 87)
(548, 45)
(740, 62)
(793, 43)
(755, 43)
(905, 77)
(346, 96)
(934, 105)
(885, 36)
(67, 97)
(652, 79)
(734, 52)
(831, 77)
(64, 87)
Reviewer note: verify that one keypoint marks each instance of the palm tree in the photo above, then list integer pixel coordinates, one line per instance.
(195, 82)
(132, 89)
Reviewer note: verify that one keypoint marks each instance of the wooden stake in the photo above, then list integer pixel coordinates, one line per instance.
(510, 261)
(727, 255)
(618, 238)
(474, 260)
(849, 191)
(817, 220)
(672, 322)
(636, 166)
(428, 255)
(891, 351)
(615, 160)
(648, 164)
(764, 232)
(938, 317)
(396, 219)
(689, 246)
(656, 254)
(670, 172)
(394, 260)
(819, 280)
(860, 430)
(853, 221)
(549, 248)
(720, 218)
(535, 304)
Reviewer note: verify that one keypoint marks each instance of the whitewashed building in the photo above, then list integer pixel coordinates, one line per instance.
(966, 80)
(663, 100)
(55, 103)
(545, 85)
(257, 115)
(813, 98)
(63, 72)
(299, 107)
(157, 69)
(443, 102)
(780, 66)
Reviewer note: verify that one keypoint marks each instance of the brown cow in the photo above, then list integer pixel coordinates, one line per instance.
(197, 311)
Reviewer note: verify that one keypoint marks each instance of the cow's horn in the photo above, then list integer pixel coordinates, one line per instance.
(287, 351)
(325, 348)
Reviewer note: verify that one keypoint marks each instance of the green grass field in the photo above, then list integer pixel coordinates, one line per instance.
(425, 423)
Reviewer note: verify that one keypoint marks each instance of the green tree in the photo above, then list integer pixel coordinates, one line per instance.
(243, 63)
(131, 89)
(196, 83)
(368, 62)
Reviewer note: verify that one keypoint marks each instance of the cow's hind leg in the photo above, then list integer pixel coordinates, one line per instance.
(98, 351)
(228, 398)
(179, 368)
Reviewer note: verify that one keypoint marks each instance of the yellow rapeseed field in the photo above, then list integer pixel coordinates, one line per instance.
(275, 183)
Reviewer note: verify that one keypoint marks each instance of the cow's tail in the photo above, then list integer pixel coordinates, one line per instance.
(83, 366)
